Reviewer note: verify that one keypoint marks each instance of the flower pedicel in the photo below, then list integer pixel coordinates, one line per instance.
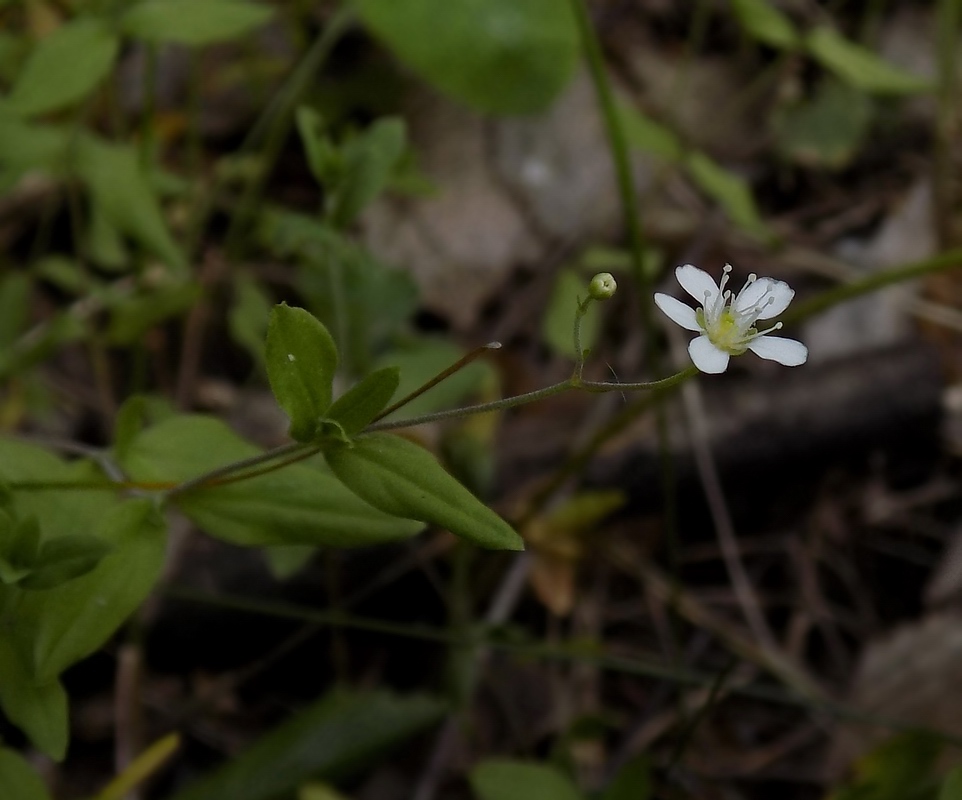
(727, 322)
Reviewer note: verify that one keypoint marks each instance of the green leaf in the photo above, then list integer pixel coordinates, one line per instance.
(287, 560)
(118, 186)
(952, 785)
(499, 56)
(826, 130)
(131, 316)
(557, 325)
(193, 22)
(15, 295)
(298, 504)
(400, 478)
(19, 547)
(766, 23)
(503, 779)
(323, 158)
(355, 409)
(249, 313)
(301, 361)
(368, 160)
(64, 558)
(330, 739)
(65, 67)
(861, 67)
(18, 781)
(730, 191)
(648, 135)
(63, 625)
(72, 512)
(633, 782)
(25, 146)
(901, 768)
(38, 709)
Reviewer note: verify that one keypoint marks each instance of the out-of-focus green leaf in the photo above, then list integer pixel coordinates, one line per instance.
(633, 782)
(730, 191)
(402, 479)
(132, 315)
(369, 160)
(193, 22)
(333, 738)
(118, 186)
(18, 781)
(301, 362)
(952, 785)
(67, 65)
(355, 409)
(901, 768)
(298, 504)
(859, 66)
(503, 779)
(766, 23)
(64, 558)
(287, 560)
(557, 325)
(25, 146)
(39, 709)
(649, 136)
(249, 314)
(60, 626)
(15, 289)
(826, 130)
(499, 56)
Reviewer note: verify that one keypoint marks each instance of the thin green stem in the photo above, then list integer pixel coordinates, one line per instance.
(950, 259)
(458, 365)
(234, 467)
(572, 652)
(480, 408)
(272, 127)
(579, 351)
(618, 146)
(530, 397)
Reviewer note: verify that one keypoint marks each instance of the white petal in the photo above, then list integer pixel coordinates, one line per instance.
(706, 356)
(677, 311)
(752, 293)
(697, 283)
(782, 295)
(777, 348)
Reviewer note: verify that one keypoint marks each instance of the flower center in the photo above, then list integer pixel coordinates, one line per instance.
(730, 333)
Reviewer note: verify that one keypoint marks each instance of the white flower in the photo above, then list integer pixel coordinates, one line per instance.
(727, 322)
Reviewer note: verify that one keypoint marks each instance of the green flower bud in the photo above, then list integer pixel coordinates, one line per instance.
(602, 286)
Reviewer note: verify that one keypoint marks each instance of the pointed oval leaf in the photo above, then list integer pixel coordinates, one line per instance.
(329, 739)
(63, 625)
(193, 22)
(64, 67)
(300, 504)
(120, 189)
(301, 361)
(861, 67)
(504, 779)
(766, 23)
(38, 709)
(499, 56)
(64, 558)
(357, 407)
(402, 479)
(17, 778)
